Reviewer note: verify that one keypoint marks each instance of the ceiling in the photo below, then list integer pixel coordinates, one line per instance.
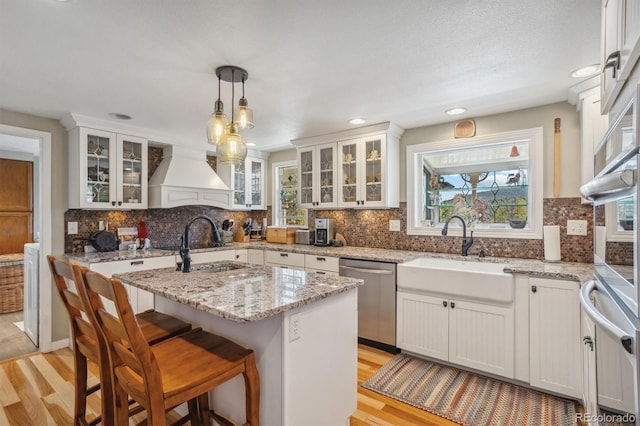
(313, 65)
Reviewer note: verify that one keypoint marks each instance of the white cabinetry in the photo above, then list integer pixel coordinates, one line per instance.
(478, 336)
(253, 256)
(322, 264)
(555, 342)
(283, 259)
(357, 168)
(589, 393)
(593, 126)
(247, 181)
(364, 177)
(107, 170)
(212, 256)
(620, 46)
(140, 300)
(317, 176)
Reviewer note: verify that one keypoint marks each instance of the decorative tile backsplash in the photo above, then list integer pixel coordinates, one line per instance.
(368, 228)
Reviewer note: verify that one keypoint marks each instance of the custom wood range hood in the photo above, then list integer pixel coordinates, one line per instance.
(184, 178)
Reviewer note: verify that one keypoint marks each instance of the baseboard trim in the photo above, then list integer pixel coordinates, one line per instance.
(59, 344)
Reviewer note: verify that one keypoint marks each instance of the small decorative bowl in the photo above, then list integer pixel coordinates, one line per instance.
(627, 224)
(517, 223)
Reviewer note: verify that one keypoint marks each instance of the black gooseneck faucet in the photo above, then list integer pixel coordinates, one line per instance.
(466, 243)
(184, 243)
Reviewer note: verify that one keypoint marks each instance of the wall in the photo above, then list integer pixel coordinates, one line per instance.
(59, 197)
(371, 227)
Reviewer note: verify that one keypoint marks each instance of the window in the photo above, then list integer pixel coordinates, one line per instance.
(493, 182)
(285, 196)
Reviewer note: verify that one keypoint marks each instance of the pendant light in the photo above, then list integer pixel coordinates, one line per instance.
(217, 123)
(243, 112)
(231, 148)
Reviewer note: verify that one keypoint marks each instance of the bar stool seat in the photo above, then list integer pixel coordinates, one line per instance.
(155, 327)
(181, 369)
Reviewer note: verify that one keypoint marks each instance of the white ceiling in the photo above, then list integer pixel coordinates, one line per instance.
(312, 65)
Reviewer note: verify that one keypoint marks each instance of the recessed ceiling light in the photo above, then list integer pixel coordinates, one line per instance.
(357, 121)
(251, 144)
(587, 71)
(455, 111)
(119, 116)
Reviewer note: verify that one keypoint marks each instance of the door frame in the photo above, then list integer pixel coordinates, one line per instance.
(46, 232)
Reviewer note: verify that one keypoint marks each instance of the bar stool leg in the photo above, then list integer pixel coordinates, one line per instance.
(81, 388)
(252, 390)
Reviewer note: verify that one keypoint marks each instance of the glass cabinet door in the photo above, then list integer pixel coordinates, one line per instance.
(100, 176)
(373, 170)
(239, 185)
(256, 183)
(306, 177)
(133, 165)
(327, 173)
(349, 172)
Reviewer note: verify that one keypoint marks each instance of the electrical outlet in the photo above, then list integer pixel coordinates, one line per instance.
(576, 227)
(72, 228)
(394, 225)
(295, 326)
(102, 225)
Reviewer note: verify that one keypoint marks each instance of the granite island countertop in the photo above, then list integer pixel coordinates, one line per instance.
(238, 291)
(581, 272)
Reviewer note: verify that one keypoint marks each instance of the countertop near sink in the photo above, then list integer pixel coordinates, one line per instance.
(581, 272)
(247, 294)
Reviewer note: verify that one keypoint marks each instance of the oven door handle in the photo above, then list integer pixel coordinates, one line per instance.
(600, 320)
(609, 186)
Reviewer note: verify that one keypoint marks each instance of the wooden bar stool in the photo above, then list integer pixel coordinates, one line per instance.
(155, 328)
(181, 369)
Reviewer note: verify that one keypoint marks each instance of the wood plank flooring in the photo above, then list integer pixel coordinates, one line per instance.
(13, 341)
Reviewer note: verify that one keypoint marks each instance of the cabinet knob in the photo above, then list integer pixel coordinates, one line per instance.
(362, 202)
(113, 203)
(284, 254)
(534, 289)
(453, 305)
(444, 303)
(237, 256)
(119, 203)
(588, 341)
(613, 61)
(321, 259)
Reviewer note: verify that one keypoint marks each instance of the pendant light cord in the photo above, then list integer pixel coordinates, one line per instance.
(233, 85)
(218, 87)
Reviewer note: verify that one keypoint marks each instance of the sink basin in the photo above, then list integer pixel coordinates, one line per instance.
(218, 266)
(466, 279)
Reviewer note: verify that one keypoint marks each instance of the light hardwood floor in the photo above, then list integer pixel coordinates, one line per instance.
(37, 389)
(13, 341)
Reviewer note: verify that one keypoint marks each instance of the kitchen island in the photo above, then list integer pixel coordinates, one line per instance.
(301, 325)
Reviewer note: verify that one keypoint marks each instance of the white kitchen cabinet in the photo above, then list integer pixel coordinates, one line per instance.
(474, 335)
(140, 300)
(589, 389)
(363, 174)
(107, 170)
(317, 176)
(212, 256)
(283, 259)
(357, 168)
(593, 126)
(242, 255)
(322, 264)
(555, 342)
(247, 181)
(255, 257)
(620, 47)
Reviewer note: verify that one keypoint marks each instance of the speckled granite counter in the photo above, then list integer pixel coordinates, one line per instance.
(580, 272)
(245, 294)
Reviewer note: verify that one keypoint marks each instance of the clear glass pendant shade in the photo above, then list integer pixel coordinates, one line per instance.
(216, 125)
(244, 114)
(231, 149)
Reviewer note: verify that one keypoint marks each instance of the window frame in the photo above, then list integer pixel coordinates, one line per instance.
(535, 182)
(275, 205)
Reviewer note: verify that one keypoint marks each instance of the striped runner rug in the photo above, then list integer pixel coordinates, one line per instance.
(467, 398)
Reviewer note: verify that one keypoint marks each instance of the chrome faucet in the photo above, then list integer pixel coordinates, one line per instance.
(184, 241)
(466, 243)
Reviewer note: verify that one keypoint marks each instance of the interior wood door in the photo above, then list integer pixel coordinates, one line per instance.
(16, 205)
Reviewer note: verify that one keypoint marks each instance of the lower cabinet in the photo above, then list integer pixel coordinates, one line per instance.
(212, 256)
(474, 335)
(140, 300)
(555, 341)
(321, 264)
(283, 259)
(589, 393)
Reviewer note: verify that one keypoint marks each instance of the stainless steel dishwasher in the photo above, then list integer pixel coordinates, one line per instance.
(376, 301)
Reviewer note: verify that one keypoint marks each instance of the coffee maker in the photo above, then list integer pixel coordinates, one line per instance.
(324, 231)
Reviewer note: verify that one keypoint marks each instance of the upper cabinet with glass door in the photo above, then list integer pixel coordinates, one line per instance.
(107, 170)
(247, 181)
(358, 170)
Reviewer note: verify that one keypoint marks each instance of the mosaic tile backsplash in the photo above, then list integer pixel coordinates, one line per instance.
(369, 228)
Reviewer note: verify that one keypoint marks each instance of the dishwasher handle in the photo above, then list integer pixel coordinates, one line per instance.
(366, 270)
(600, 320)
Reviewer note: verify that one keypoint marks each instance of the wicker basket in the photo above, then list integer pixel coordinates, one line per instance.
(11, 282)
